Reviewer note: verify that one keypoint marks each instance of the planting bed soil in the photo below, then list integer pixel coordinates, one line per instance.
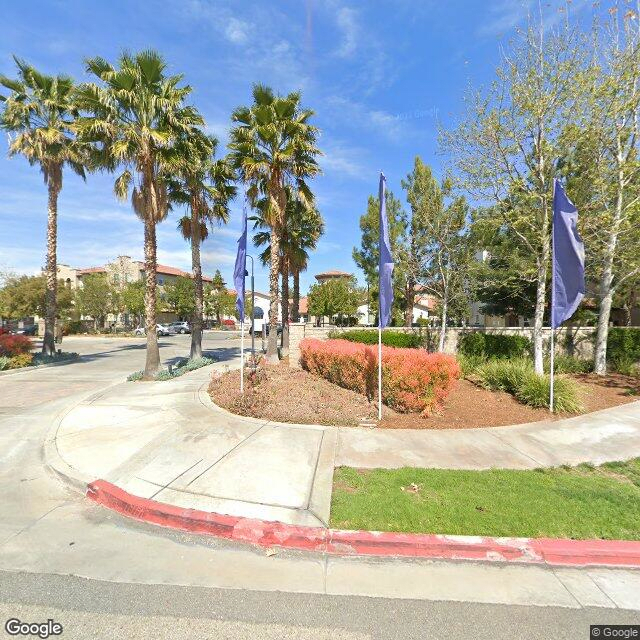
(293, 395)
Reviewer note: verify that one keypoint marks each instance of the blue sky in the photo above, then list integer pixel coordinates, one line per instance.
(381, 78)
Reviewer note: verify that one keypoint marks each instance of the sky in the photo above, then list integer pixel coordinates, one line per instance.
(382, 78)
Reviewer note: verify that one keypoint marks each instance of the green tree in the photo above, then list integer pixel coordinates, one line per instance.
(204, 185)
(273, 145)
(96, 297)
(39, 114)
(506, 147)
(338, 297)
(179, 296)
(22, 296)
(132, 298)
(135, 114)
(218, 300)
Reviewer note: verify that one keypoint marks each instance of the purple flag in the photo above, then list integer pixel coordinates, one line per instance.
(385, 271)
(567, 270)
(241, 267)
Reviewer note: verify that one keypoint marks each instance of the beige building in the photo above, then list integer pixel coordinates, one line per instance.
(121, 272)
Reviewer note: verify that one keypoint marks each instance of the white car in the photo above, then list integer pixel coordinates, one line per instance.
(161, 330)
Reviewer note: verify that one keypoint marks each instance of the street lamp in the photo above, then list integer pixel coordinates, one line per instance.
(253, 307)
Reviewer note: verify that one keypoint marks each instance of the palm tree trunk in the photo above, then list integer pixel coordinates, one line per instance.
(285, 306)
(295, 310)
(54, 185)
(152, 363)
(196, 327)
(274, 277)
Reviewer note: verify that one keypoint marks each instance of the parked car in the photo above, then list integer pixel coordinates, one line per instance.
(29, 330)
(180, 327)
(161, 330)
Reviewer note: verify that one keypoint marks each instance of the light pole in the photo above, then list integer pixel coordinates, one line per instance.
(253, 306)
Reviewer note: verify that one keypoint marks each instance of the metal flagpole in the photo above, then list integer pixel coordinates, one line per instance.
(379, 368)
(553, 288)
(242, 356)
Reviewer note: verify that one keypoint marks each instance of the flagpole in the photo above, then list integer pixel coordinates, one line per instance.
(242, 356)
(553, 288)
(379, 367)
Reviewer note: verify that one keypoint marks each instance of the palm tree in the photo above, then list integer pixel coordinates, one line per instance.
(39, 115)
(205, 186)
(135, 115)
(274, 146)
(304, 226)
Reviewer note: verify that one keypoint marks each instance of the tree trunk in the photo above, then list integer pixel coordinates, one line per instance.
(196, 266)
(606, 283)
(152, 363)
(443, 326)
(54, 185)
(410, 298)
(285, 306)
(274, 277)
(295, 310)
(538, 318)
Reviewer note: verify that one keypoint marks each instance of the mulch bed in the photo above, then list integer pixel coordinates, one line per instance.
(293, 395)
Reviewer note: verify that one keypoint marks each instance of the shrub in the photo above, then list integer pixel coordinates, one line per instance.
(135, 376)
(20, 360)
(534, 391)
(389, 338)
(4, 362)
(14, 345)
(182, 367)
(40, 358)
(493, 345)
(623, 347)
(518, 378)
(469, 364)
(570, 364)
(412, 380)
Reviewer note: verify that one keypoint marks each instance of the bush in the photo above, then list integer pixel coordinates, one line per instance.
(4, 362)
(182, 367)
(469, 364)
(412, 380)
(14, 345)
(623, 347)
(570, 364)
(39, 358)
(21, 360)
(389, 338)
(534, 391)
(493, 345)
(518, 378)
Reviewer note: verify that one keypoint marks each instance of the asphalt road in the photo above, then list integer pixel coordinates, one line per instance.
(143, 582)
(92, 609)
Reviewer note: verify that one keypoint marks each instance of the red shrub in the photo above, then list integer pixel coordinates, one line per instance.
(227, 322)
(412, 380)
(14, 345)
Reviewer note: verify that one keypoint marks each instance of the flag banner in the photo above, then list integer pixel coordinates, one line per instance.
(385, 270)
(567, 277)
(241, 267)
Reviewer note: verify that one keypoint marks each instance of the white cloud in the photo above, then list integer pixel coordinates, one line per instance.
(237, 31)
(346, 19)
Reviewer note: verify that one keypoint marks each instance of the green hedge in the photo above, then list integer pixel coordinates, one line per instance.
(493, 345)
(623, 347)
(389, 338)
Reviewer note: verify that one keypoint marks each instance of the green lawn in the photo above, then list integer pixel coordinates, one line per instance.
(564, 502)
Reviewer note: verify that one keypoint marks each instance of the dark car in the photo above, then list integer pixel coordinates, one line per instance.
(180, 327)
(29, 330)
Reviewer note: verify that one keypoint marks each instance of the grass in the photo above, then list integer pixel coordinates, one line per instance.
(581, 502)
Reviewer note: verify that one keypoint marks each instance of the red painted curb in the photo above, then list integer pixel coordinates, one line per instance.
(370, 543)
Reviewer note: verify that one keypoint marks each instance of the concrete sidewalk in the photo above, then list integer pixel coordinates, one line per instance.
(167, 442)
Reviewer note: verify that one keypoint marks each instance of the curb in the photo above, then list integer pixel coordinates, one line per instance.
(542, 551)
(37, 367)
